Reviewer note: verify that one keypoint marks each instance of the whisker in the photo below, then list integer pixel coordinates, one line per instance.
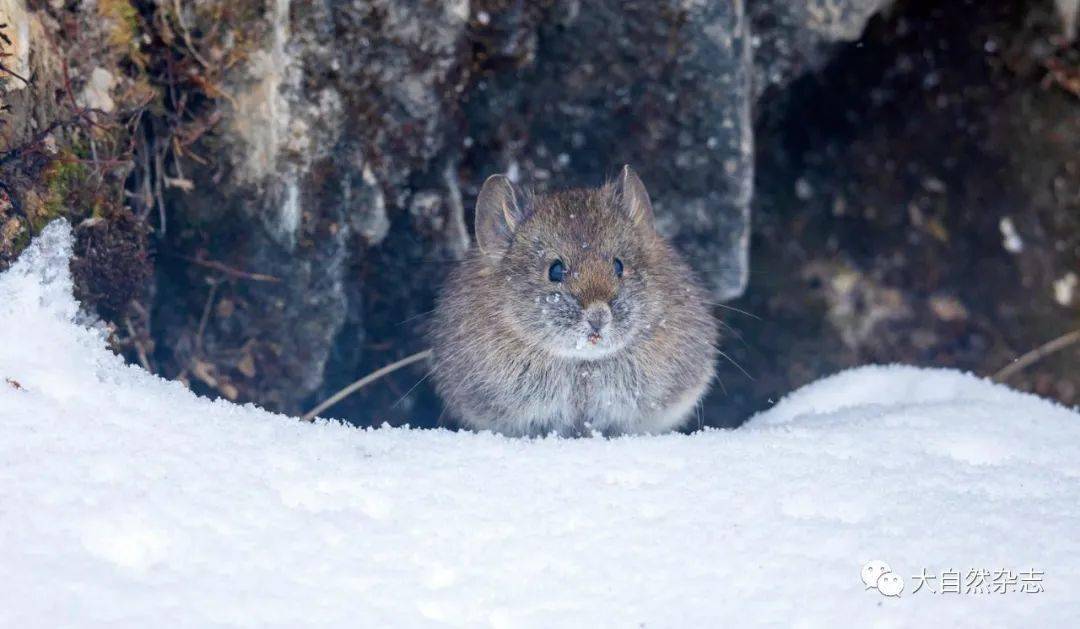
(738, 335)
(720, 382)
(438, 420)
(402, 398)
(734, 309)
(416, 316)
(732, 361)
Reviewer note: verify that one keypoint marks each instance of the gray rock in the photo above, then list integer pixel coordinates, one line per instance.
(792, 38)
(358, 132)
(662, 85)
(334, 112)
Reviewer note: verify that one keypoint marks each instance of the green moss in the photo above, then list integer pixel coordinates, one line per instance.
(125, 19)
(70, 190)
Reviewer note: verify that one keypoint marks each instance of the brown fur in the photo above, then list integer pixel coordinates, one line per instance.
(511, 348)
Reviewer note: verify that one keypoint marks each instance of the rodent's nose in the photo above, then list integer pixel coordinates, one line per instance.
(598, 315)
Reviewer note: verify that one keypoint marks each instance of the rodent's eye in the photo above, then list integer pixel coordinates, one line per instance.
(618, 267)
(557, 271)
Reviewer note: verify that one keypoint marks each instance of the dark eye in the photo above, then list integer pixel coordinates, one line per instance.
(618, 267)
(557, 272)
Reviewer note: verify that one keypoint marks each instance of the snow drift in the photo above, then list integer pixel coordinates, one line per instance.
(127, 500)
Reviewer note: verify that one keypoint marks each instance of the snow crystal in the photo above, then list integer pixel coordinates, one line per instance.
(127, 500)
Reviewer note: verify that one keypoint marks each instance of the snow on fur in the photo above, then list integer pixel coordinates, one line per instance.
(127, 500)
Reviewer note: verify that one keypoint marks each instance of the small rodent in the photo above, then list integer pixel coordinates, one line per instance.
(572, 315)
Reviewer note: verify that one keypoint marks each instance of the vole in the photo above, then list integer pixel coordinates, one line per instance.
(572, 315)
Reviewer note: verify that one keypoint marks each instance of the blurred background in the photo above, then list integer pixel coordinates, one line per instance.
(267, 194)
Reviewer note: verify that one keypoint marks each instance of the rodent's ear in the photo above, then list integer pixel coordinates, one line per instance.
(498, 212)
(633, 197)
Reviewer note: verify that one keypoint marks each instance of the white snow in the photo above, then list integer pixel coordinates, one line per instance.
(127, 501)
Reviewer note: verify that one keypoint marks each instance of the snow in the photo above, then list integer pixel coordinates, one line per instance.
(126, 500)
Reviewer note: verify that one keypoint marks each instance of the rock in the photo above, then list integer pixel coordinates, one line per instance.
(916, 141)
(17, 30)
(308, 169)
(792, 38)
(322, 142)
(356, 135)
(350, 159)
(30, 72)
(59, 161)
(97, 93)
(662, 85)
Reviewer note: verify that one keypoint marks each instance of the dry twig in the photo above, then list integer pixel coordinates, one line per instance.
(230, 271)
(1036, 355)
(363, 382)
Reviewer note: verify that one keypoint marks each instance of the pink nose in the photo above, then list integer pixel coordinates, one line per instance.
(598, 315)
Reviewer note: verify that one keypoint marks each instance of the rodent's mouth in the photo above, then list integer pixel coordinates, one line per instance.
(588, 346)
